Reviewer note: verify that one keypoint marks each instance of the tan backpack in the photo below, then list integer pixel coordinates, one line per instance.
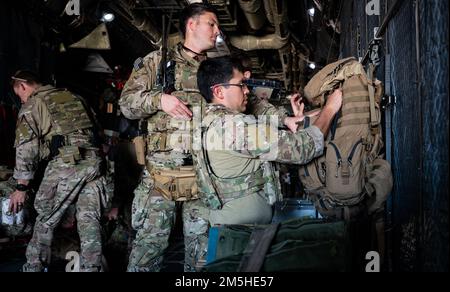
(351, 175)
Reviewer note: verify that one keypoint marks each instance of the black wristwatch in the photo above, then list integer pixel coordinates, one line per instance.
(22, 187)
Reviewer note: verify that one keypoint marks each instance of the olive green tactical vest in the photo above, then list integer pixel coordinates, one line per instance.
(67, 112)
(166, 134)
(216, 191)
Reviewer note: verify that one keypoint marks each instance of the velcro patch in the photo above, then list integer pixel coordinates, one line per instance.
(138, 64)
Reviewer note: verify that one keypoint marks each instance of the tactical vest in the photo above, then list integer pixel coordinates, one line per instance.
(68, 119)
(67, 112)
(166, 134)
(340, 181)
(216, 191)
(169, 141)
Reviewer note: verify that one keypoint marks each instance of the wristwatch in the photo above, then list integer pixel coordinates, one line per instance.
(22, 187)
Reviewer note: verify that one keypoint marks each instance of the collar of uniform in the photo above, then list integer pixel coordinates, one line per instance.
(211, 107)
(42, 89)
(193, 60)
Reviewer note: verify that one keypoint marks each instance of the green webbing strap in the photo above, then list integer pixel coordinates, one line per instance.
(362, 121)
(355, 110)
(256, 250)
(373, 116)
(362, 98)
(204, 163)
(353, 122)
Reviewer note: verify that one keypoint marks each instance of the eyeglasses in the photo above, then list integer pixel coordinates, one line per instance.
(241, 85)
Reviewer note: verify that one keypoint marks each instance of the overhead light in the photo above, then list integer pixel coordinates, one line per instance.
(312, 66)
(107, 17)
(311, 11)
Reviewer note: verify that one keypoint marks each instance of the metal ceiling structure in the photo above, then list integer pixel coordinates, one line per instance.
(278, 35)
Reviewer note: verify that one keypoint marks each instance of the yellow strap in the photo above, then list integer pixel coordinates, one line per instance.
(162, 141)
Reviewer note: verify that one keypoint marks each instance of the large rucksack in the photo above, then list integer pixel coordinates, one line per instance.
(351, 176)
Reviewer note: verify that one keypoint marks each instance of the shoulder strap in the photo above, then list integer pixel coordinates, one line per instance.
(169, 76)
(204, 152)
(334, 123)
(204, 131)
(256, 250)
(204, 165)
(370, 77)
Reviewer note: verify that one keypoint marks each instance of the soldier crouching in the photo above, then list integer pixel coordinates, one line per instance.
(54, 125)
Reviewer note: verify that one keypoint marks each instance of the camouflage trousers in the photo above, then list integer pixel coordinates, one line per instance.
(153, 218)
(63, 185)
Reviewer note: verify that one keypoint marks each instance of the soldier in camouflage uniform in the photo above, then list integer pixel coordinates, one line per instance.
(235, 176)
(53, 125)
(167, 114)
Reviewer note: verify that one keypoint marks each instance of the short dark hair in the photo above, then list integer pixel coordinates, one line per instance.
(214, 71)
(27, 76)
(245, 60)
(193, 10)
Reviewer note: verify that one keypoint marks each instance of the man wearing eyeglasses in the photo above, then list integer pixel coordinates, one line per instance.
(234, 169)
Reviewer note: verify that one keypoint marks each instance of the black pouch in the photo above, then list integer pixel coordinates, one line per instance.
(57, 142)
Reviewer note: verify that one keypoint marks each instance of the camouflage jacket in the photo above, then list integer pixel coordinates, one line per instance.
(259, 106)
(141, 95)
(237, 148)
(36, 125)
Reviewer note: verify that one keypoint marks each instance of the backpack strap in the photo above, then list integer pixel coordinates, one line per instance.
(213, 200)
(256, 250)
(334, 123)
(373, 116)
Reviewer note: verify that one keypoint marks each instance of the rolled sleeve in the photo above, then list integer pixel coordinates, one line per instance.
(282, 115)
(156, 102)
(23, 175)
(27, 159)
(318, 139)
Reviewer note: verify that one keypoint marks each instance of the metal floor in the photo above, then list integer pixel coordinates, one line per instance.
(12, 255)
